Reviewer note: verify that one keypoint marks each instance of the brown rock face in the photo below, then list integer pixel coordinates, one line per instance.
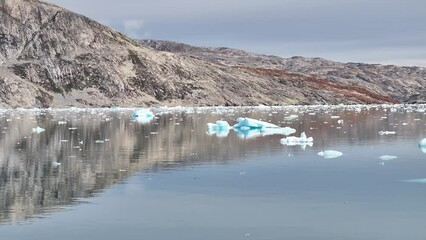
(51, 57)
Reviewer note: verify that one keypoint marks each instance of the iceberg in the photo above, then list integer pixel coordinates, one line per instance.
(253, 123)
(143, 116)
(326, 154)
(387, 157)
(220, 128)
(277, 131)
(302, 141)
(38, 130)
(248, 133)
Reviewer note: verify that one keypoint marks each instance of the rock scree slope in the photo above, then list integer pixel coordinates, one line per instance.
(52, 57)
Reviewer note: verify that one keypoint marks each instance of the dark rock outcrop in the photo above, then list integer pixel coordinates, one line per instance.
(51, 57)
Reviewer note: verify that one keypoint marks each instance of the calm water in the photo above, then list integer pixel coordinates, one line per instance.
(170, 179)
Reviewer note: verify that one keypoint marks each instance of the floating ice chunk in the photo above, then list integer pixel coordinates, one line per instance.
(422, 145)
(38, 130)
(340, 121)
(143, 116)
(291, 117)
(420, 180)
(220, 128)
(387, 133)
(335, 117)
(387, 157)
(56, 164)
(99, 141)
(253, 123)
(62, 122)
(330, 154)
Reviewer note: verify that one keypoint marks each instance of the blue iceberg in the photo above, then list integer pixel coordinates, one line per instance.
(250, 123)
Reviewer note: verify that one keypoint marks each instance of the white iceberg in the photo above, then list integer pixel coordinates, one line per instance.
(302, 141)
(143, 116)
(56, 164)
(220, 128)
(387, 157)
(38, 130)
(326, 154)
(253, 123)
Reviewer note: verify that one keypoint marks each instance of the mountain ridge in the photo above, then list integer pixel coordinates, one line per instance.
(52, 57)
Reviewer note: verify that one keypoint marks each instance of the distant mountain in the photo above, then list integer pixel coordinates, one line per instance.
(51, 57)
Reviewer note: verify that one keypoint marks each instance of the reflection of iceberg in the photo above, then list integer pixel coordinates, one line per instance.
(143, 116)
(247, 133)
(253, 123)
(302, 141)
(220, 128)
(387, 157)
(330, 154)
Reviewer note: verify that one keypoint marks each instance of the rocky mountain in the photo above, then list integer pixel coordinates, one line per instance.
(52, 57)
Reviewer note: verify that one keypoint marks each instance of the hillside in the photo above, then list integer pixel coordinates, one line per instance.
(51, 57)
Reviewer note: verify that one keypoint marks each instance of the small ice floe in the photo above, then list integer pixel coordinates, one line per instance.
(387, 133)
(143, 116)
(387, 157)
(38, 130)
(326, 154)
(253, 123)
(291, 117)
(99, 141)
(56, 164)
(420, 180)
(340, 121)
(302, 141)
(335, 117)
(62, 122)
(422, 145)
(220, 128)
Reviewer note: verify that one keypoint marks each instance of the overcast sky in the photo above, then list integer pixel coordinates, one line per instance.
(374, 31)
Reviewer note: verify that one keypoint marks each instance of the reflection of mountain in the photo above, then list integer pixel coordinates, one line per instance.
(30, 185)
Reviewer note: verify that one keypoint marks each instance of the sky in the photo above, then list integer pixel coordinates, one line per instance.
(374, 31)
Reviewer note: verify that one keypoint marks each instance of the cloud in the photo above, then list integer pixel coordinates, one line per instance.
(133, 28)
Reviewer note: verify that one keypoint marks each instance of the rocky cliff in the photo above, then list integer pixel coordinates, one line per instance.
(51, 57)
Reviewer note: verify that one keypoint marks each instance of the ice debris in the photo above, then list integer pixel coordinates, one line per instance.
(38, 130)
(420, 180)
(143, 116)
(387, 157)
(302, 141)
(326, 154)
(56, 164)
(387, 133)
(291, 117)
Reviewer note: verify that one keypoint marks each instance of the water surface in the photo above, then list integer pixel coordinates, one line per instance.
(170, 179)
